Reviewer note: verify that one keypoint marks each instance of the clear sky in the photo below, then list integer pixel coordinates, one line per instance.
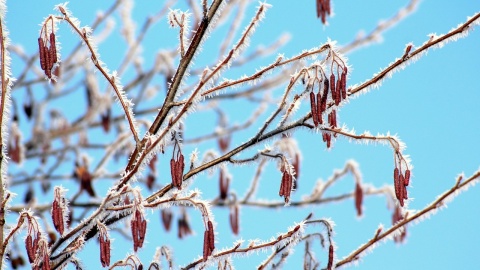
(432, 105)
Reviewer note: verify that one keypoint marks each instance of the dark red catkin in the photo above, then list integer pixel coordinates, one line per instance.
(403, 187)
(173, 172)
(206, 249)
(287, 186)
(313, 108)
(334, 118)
(208, 241)
(296, 166)
(106, 121)
(150, 181)
(224, 185)
(46, 261)
(330, 257)
(30, 248)
(326, 83)
(396, 182)
(319, 108)
(338, 92)
(134, 227)
(407, 177)
(177, 170)
(358, 198)
(53, 49)
(234, 219)
(329, 140)
(48, 61)
(166, 219)
(104, 251)
(344, 83)
(41, 50)
(211, 236)
(57, 216)
(143, 231)
(139, 228)
(332, 86)
(282, 185)
(180, 168)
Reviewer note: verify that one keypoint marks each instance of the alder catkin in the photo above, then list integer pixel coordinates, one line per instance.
(407, 177)
(319, 108)
(41, 51)
(53, 49)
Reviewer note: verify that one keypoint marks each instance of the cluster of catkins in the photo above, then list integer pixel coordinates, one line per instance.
(334, 90)
(48, 55)
(287, 183)
(401, 181)
(177, 166)
(208, 241)
(323, 9)
(139, 228)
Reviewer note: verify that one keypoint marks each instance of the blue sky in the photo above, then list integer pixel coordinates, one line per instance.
(432, 106)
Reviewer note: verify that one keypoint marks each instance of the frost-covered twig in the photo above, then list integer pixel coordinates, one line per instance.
(6, 83)
(376, 34)
(111, 78)
(411, 54)
(441, 201)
